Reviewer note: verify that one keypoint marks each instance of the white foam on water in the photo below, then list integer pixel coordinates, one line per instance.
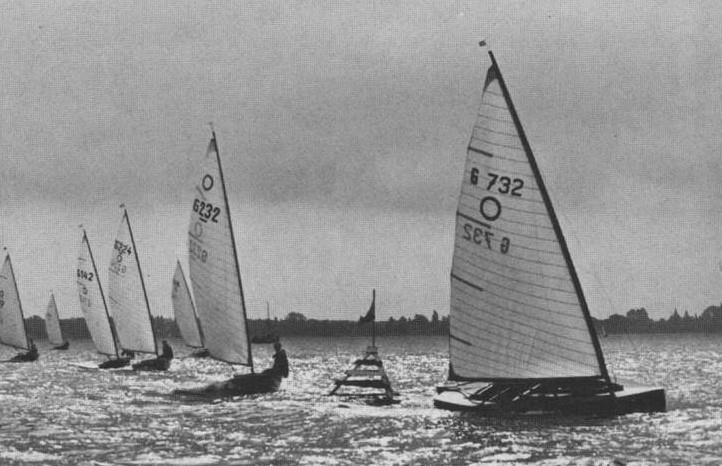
(28, 456)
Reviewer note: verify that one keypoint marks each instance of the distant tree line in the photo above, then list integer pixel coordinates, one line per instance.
(296, 324)
(638, 321)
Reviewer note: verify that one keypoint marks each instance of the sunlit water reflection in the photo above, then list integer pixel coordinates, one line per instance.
(52, 412)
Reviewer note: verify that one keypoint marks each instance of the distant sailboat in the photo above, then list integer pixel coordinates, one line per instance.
(521, 337)
(129, 300)
(13, 331)
(185, 313)
(95, 309)
(52, 326)
(216, 281)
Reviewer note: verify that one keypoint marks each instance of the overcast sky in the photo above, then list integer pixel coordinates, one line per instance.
(343, 129)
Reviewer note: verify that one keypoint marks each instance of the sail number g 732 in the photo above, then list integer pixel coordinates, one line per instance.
(499, 183)
(480, 236)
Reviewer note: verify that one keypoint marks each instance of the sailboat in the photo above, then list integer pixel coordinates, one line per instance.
(129, 300)
(52, 326)
(216, 280)
(95, 310)
(185, 313)
(13, 331)
(521, 335)
(268, 337)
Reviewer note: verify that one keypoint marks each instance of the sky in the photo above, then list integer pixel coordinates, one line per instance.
(342, 129)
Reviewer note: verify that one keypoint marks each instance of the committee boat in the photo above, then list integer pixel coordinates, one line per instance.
(13, 331)
(129, 300)
(185, 313)
(216, 280)
(95, 310)
(52, 326)
(521, 335)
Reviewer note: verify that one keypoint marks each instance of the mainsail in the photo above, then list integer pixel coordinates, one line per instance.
(126, 292)
(52, 322)
(214, 271)
(517, 308)
(92, 301)
(184, 310)
(12, 323)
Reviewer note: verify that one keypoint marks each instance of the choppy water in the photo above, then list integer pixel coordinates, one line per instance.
(54, 413)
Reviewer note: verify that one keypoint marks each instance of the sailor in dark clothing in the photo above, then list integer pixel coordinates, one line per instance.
(167, 351)
(31, 355)
(280, 361)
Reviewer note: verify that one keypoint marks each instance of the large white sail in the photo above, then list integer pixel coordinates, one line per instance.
(52, 322)
(126, 293)
(517, 309)
(12, 323)
(92, 301)
(185, 313)
(214, 271)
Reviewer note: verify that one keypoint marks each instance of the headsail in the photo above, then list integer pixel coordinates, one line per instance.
(92, 301)
(126, 292)
(184, 310)
(214, 271)
(12, 322)
(517, 308)
(52, 322)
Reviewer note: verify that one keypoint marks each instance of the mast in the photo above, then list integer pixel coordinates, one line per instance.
(20, 304)
(554, 221)
(235, 252)
(373, 322)
(193, 305)
(142, 283)
(102, 295)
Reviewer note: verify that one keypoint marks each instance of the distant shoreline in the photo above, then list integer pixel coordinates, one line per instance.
(636, 321)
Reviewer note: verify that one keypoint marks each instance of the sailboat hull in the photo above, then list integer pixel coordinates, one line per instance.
(625, 401)
(246, 384)
(156, 364)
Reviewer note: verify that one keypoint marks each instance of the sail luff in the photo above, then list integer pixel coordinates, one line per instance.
(111, 326)
(142, 282)
(235, 252)
(22, 342)
(555, 222)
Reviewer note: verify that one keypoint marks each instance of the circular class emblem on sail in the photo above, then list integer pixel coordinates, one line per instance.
(207, 182)
(490, 208)
(198, 229)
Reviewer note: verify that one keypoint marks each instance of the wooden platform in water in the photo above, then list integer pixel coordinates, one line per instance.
(367, 372)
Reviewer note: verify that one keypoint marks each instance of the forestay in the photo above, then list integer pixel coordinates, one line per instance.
(92, 301)
(185, 313)
(126, 293)
(52, 322)
(517, 310)
(214, 271)
(12, 323)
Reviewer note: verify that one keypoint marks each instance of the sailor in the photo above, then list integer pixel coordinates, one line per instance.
(280, 361)
(167, 351)
(31, 355)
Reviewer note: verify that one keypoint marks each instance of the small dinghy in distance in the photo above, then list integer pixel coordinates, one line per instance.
(522, 339)
(13, 331)
(129, 300)
(185, 314)
(52, 326)
(216, 280)
(95, 311)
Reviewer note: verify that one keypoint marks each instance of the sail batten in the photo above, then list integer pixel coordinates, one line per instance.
(13, 331)
(52, 322)
(517, 311)
(126, 293)
(214, 269)
(184, 310)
